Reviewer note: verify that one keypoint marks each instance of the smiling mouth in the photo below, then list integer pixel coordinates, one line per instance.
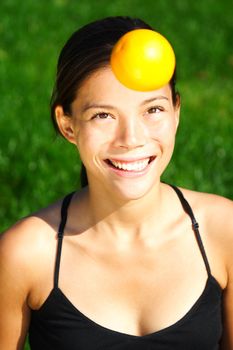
(134, 166)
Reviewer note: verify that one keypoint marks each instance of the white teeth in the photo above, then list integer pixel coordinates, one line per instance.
(132, 166)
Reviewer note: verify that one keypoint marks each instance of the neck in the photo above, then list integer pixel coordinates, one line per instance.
(131, 218)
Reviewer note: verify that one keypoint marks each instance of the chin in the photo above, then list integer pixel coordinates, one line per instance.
(131, 191)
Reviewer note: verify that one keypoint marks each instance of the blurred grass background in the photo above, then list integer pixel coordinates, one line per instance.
(37, 168)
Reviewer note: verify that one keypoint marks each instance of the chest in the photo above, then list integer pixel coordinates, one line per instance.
(199, 329)
(137, 292)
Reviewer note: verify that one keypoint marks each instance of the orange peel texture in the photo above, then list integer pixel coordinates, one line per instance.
(143, 60)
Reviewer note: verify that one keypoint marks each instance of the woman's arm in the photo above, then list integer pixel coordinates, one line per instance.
(15, 276)
(227, 339)
(227, 237)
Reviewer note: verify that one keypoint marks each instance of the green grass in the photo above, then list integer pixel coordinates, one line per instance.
(36, 168)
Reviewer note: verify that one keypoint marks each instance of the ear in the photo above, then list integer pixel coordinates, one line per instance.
(65, 124)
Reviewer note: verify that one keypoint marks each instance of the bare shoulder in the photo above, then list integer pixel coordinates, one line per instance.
(215, 216)
(32, 228)
(28, 243)
(215, 211)
(27, 251)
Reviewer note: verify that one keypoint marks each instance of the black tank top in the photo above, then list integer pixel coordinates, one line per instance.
(59, 325)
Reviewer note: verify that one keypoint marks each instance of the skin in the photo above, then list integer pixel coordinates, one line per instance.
(126, 224)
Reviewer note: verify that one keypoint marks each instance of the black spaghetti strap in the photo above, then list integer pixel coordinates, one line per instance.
(64, 209)
(195, 225)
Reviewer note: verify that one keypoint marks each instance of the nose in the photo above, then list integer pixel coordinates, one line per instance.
(131, 134)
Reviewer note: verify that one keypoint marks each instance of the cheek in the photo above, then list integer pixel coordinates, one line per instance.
(165, 132)
(90, 142)
(166, 139)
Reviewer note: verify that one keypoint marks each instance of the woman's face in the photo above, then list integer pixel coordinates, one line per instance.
(125, 138)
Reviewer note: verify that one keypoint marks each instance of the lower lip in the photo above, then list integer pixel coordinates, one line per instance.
(131, 173)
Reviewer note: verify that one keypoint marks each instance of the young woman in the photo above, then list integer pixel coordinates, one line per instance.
(128, 262)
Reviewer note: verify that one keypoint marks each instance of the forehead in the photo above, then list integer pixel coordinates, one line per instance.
(103, 87)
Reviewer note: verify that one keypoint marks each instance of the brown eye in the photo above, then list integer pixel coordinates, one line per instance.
(155, 110)
(101, 116)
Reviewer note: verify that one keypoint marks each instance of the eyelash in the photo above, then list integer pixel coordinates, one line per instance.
(98, 114)
(154, 109)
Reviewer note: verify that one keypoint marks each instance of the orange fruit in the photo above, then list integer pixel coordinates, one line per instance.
(143, 60)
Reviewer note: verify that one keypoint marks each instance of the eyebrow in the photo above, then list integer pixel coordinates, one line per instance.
(154, 99)
(94, 105)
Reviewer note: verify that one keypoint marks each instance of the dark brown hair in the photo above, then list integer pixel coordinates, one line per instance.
(87, 50)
